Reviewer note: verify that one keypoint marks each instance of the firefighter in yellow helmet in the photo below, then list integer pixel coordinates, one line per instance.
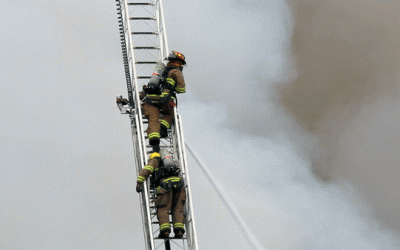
(164, 102)
(171, 192)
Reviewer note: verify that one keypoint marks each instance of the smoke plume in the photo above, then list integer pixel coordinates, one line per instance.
(345, 94)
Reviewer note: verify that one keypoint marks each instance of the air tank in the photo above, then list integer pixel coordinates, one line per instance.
(154, 86)
(167, 159)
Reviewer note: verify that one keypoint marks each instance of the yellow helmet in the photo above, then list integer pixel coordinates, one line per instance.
(155, 154)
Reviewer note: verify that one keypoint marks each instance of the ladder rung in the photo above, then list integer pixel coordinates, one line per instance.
(146, 137)
(143, 77)
(169, 212)
(156, 222)
(142, 18)
(140, 4)
(146, 48)
(171, 238)
(144, 33)
(146, 62)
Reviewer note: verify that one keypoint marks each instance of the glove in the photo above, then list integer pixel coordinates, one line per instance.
(122, 100)
(142, 95)
(139, 187)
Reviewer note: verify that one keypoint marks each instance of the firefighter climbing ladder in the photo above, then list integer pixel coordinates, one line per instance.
(144, 43)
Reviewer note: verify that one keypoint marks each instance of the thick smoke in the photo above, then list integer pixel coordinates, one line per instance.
(345, 93)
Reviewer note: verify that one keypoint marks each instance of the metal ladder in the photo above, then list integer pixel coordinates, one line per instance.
(144, 43)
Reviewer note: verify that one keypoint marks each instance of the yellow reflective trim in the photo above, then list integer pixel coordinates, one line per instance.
(170, 180)
(165, 123)
(165, 225)
(173, 179)
(154, 96)
(180, 90)
(171, 81)
(141, 178)
(155, 154)
(158, 189)
(178, 224)
(150, 168)
(154, 135)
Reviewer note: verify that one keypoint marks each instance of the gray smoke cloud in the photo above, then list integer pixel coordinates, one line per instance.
(244, 88)
(345, 93)
(340, 63)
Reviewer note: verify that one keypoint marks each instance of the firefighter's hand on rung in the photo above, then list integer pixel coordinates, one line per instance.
(122, 101)
(139, 187)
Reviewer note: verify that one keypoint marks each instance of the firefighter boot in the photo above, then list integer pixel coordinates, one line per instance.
(163, 131)
(164, 233)
(179, 233)
(156, 148)
(155, 143)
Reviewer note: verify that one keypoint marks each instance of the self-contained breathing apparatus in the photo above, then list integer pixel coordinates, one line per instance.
(167, 168)
(157, 83)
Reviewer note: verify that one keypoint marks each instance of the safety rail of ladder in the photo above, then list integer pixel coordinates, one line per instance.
(189, 220)
(144, 43)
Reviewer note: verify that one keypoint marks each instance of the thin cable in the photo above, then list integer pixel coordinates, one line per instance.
(231, 207)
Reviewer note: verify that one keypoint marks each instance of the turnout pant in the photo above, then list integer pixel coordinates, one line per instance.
(152, 113)
(171, 200)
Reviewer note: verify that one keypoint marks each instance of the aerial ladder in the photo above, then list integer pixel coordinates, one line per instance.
(144, 44)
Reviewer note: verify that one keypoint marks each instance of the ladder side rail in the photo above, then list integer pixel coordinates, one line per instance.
(146, 216)
(164, 53)
(193, 236)
(160, 29)
(188, 209)
(177, 140)
(160, 39)
(139, 125)
(136, 148)
(178, 150)
(175, 146)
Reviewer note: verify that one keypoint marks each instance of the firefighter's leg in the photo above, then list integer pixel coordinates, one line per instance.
(152, 113)
(178, 217)
(168, 118)
(164, 204)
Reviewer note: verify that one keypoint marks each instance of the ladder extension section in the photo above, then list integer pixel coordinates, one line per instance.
(144, 43)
